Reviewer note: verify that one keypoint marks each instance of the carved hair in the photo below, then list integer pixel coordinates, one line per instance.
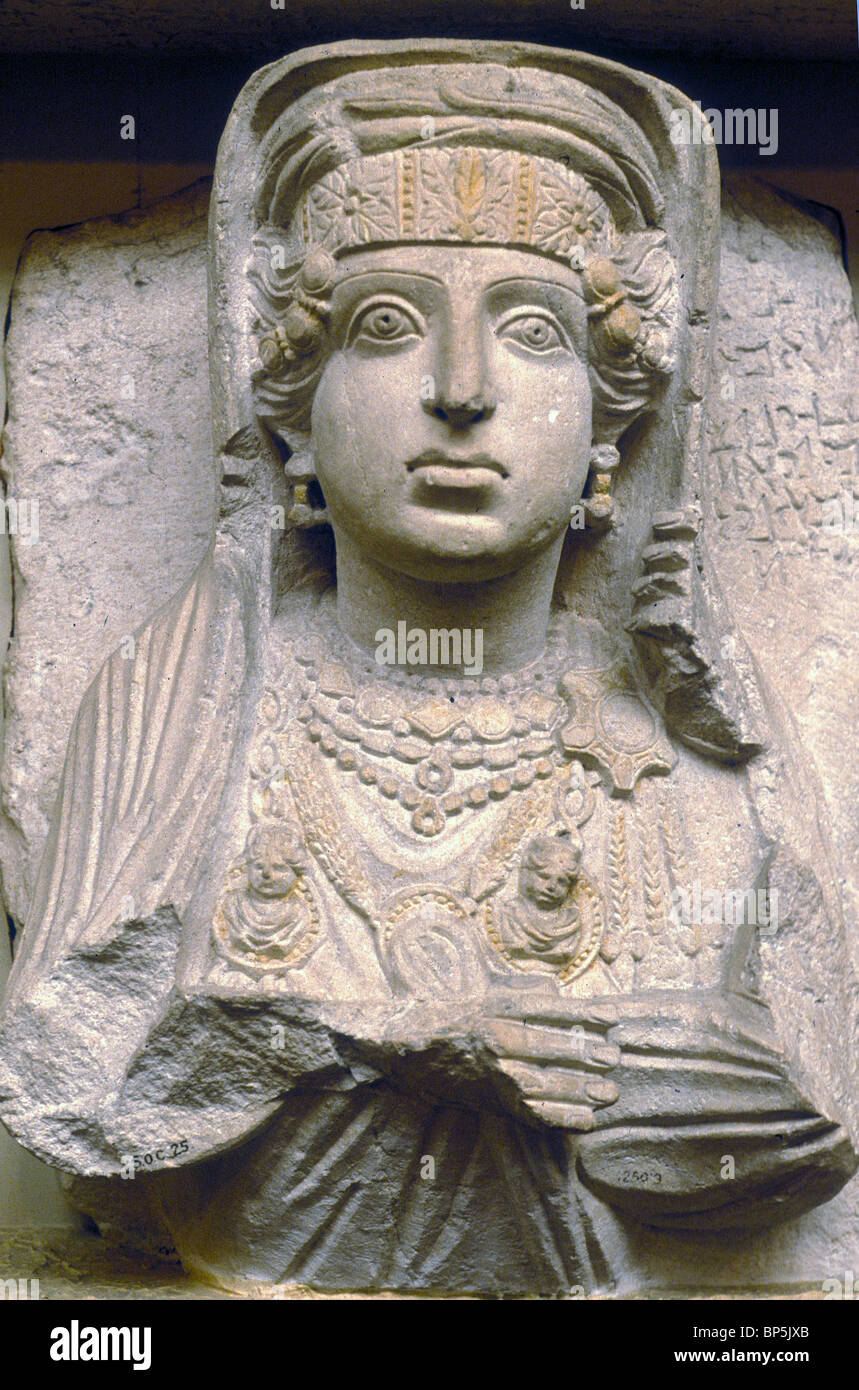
(267, 842)
(545, 850)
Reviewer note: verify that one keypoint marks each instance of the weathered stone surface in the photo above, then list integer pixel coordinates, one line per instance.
(782, 477)
(109, 434)
(389, 979)
(65, 1264)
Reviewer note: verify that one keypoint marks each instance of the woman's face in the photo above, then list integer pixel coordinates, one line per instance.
(452, 423)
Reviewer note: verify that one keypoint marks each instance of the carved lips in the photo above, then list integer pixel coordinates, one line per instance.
(439, 470)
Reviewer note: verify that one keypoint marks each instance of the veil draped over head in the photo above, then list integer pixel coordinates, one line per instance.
(159, 745)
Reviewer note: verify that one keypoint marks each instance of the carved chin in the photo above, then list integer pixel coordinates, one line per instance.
(547, 901)
(268, 891)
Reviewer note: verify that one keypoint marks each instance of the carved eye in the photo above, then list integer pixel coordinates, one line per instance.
(384, 322)
(536, 332)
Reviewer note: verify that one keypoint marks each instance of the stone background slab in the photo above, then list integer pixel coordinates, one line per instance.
(108, 431)
(783, 447)
(109, 428)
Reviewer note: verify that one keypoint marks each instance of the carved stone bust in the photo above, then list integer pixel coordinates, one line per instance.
(385, 846)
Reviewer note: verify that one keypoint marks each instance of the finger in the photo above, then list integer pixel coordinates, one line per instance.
(656, 586)
(560, 1084)
(663, 556)
(575, 1117)
(570, 1014)
(682, 525)
(533, 1043)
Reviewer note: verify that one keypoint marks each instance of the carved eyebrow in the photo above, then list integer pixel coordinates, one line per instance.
(391, 271)
(574, 288)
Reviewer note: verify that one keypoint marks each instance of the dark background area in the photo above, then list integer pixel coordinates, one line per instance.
(55, 106)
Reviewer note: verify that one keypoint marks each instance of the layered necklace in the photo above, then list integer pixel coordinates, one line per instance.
(433, 745)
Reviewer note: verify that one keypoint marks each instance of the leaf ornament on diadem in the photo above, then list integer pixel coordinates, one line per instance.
(470, 189)
(612, 730)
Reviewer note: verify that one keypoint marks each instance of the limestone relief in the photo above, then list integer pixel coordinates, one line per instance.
(444, 811)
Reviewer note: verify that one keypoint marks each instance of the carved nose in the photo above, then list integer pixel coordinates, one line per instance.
(460, 410)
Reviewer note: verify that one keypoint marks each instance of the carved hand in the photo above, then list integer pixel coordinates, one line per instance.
(710, 1131)
(552, 1062)
(689, 659)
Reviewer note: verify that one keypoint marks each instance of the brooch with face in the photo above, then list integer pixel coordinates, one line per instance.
(268, 920)
(554, 924)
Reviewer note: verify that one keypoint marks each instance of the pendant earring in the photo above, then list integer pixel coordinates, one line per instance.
(598, 506)
(307, 508)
